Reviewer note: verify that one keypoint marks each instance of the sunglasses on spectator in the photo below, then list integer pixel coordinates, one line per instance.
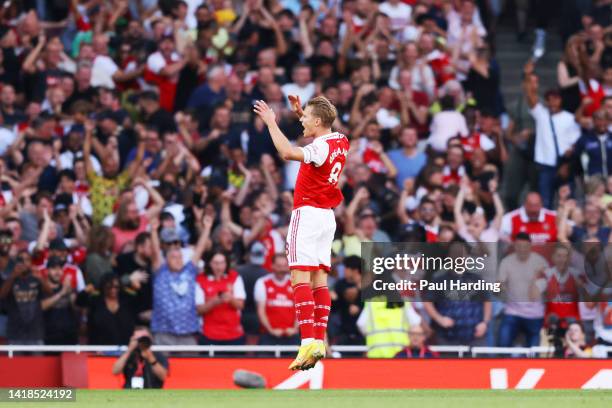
(179, 243)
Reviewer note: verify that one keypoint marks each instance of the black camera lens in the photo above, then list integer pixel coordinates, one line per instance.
(144, 342)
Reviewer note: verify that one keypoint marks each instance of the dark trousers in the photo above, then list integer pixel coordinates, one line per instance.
(511, 326)
(547, 184)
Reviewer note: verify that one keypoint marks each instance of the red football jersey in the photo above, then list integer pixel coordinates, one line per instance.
(542, 230)
(278, 298)
(317, 180)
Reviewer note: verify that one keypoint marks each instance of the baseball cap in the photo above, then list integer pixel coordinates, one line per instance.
(58, 244)
(169, 235)
(55, 262)
(257, 254)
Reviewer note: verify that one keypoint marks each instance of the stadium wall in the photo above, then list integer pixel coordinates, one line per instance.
(217, 373)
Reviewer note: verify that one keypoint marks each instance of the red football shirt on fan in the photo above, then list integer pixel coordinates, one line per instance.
(561, 292)
(450, 176)
(541, 230)
(475, 140)
(76, 276)
(317, 180)
(278, 298)
(167, 85)
(223, 321)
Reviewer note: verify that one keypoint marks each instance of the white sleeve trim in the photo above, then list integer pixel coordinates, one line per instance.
(239, 291)
(259, 292)
(316, 153)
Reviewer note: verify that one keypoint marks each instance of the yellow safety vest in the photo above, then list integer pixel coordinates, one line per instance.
(387, 330)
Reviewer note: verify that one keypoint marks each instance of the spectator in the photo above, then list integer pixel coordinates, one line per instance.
(23, 292)
(135, 272)
(532, 219)
(274, 298)
(110, 312)
(417, 348)
(407, 160)
(224, 297)
(516, 272)
(250, 273)
(141, 367)
(60, 314)
(575, 344)
(464, 321)
(597, 144)
(348, 303)
(98, 262)
(559, 286)
(555, 133)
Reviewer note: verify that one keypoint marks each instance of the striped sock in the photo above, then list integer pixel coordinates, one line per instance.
(304, 309)
(321, 311)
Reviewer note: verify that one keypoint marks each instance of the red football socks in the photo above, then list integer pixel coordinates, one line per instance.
(321, 311)
(304, 309)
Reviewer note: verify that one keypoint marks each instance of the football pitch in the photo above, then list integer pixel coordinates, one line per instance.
(334, 399)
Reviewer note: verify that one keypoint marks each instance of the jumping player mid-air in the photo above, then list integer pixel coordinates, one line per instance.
(312, 226)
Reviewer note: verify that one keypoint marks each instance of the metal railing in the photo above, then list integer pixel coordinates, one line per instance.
(211, 350)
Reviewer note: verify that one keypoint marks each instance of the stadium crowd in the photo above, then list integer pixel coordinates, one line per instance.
(139, 189)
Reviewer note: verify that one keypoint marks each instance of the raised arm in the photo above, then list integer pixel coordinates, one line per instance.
(89, 128)
(497, 202)
(349, 225)
(156, 256)
(531, 90)
(458, 207)
(284, 147)
(29, 64)
(200, 246)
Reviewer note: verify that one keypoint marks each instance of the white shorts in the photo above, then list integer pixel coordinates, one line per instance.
(309, 238)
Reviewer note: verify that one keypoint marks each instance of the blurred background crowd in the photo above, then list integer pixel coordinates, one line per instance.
(139, 189)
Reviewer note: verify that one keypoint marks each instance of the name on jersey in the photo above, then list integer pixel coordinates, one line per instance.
(337, 153)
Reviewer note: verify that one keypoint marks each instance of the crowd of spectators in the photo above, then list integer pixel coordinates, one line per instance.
(139, 189)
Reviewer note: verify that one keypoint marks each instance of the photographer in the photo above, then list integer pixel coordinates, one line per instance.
(141, 367)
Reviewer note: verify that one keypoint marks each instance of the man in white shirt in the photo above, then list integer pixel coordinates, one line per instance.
(103, 67)
(301, 85)
(556, 131)
(399, 13)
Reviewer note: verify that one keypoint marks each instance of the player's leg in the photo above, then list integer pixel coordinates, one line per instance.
(301, 254)
(320, 290)
(304, 304)
(304, 313)
(322, 300)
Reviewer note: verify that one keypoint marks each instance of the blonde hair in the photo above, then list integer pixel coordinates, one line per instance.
(323, 109)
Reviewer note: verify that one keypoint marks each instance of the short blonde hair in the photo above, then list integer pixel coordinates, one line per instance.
(323, 109)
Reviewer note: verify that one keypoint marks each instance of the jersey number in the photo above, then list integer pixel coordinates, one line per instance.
(335, 172)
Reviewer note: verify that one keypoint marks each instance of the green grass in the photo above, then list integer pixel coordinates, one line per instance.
(333, 399)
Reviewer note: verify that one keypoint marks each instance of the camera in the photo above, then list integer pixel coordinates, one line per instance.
(144, 342)
(556, 332)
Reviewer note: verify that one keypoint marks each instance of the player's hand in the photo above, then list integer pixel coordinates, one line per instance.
(446, 322)
(265, 113)
(291, 332)
(480, 330)
(296, 105)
